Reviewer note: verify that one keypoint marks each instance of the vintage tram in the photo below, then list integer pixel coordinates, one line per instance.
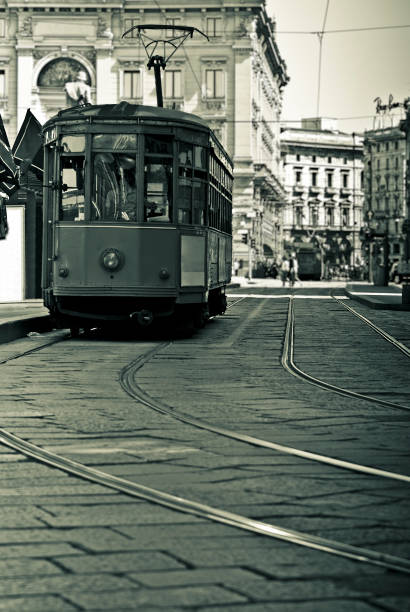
(137, 217)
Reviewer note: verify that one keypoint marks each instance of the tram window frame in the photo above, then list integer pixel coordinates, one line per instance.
(125, 180)
(159, 212)
(192, 178)
(220, 195)
(78, 190)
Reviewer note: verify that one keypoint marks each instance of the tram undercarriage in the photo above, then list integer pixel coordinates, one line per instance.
(101, 311)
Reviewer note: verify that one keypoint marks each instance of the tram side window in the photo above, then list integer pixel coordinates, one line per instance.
(114, 196)
(192, 174)
(157, 190)
(72, 188)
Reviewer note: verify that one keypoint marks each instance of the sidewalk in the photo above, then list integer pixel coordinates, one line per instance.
(387, 298)
(17, 319)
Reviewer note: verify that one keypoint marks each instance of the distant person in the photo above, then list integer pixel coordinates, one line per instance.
(236, 266)
(284, 270)
(293, 269)
(78, 92)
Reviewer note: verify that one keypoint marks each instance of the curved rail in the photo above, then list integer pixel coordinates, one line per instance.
(128, 383)
(181, 504)
(399, 345)
(289, 365)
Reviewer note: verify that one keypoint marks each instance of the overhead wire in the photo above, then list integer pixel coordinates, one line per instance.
(320, 37)
(342, 31)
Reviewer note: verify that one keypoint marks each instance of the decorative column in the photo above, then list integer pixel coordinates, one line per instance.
(106, 76)
(25, 63)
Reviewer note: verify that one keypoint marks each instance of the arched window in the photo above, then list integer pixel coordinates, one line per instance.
(59, 71)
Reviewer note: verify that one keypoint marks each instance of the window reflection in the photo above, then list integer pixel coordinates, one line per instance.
(157, 191)
(72, 188)
(114, 195)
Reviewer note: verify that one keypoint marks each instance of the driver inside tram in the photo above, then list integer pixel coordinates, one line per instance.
(116, 197)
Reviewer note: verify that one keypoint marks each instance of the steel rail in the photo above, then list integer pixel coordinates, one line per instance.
(131, 387)
(289, 365)
(35, 349)
(181, 504)
(399, 345)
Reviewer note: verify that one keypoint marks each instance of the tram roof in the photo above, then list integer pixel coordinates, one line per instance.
(125, 110)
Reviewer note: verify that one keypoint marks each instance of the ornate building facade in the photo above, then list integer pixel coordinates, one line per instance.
(323, 176)
(234, 81)
(385, 194)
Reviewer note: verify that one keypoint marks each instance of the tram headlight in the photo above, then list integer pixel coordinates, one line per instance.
(63, 271)
(111, 259)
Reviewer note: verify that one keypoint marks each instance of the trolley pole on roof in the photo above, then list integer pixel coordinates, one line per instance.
(157, 62)
(151, 42)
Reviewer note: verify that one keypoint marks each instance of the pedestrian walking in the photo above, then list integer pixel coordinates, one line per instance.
(293, 269)
(284, 270)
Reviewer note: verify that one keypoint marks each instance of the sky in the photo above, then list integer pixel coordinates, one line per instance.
(356, 67)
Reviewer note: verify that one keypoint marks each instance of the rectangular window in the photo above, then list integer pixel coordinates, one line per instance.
(314, 159)
(114, 195)
(330, 215)
(313, 178)
(172, 84)
(298, 176)
(132, 84)
(298, 215)
(214, 26)
(345, 216)
(314, 216)
(215, 84)
(329, 179)
(157, 190)
(297, 156)
(72, 188)
(128, 24)
(172, 21)
(2, 84)
(345, 179)
(329, 160)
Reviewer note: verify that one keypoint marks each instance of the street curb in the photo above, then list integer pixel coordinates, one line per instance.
(375, 303)
(12, 330)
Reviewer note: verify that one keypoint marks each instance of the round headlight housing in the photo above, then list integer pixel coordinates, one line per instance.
(111, 259)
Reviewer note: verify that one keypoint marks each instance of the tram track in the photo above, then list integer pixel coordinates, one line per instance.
(128, 383)
(181, 504)
(396, 343)
(289, 365)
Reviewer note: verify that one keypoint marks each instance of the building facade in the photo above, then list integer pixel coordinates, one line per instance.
(234, 81)
(323, 174)
(385, 196)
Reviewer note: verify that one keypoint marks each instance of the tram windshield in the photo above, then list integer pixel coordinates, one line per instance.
(114, 196)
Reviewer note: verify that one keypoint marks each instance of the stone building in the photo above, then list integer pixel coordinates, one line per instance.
(323, 174)
(234, 81)
(385, 194)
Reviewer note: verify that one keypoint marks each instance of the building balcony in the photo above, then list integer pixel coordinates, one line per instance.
(346, 191)
(313, 189)
(298, 189)
(215, 105)
(174, 103)
(331, 190)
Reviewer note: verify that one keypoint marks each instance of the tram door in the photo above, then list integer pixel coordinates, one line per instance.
(12, 267)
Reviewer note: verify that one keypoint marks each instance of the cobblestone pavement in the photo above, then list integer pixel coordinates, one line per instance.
(68, 544)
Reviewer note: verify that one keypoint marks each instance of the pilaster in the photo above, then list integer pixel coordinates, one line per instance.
(25, 64)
